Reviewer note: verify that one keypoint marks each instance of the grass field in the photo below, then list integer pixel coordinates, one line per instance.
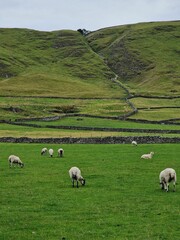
(99, 122)
(45, 129)
(19, 107)
(121, 200)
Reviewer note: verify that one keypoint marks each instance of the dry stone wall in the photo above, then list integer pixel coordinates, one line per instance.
(93, 140)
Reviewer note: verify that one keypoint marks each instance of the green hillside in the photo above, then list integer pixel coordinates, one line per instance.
(145, 56)
(52, 74)
(64, 63)
(58, 63)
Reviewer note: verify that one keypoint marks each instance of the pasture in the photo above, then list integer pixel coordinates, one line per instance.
(122, 198)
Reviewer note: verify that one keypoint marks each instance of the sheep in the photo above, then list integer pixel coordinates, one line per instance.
(147, 156)
(166, 176)
(43, 151)
(12, 159)
(134, 143)
(60, 152)
(51, 151)
(75, 175)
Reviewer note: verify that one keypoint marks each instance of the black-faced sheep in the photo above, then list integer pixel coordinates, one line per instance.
(166, 176)
(43, 151)
(75, 175)
(147, 156)
(15, 160)
(60, 152)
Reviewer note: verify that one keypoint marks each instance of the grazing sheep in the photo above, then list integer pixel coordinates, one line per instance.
(147, 156)
(15, 160)
(51, 151)
(43, 151)
(166, 176)
(75, 175)
(134, 143)
(60, 152)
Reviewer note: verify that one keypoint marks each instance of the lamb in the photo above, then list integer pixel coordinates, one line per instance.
(166, 176)
(15, 160)
(134, 143)
(60, 152)
(51, 151)
(43, 151)
(147, 156)
(75, 175)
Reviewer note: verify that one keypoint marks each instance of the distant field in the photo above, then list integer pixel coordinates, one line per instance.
(19, 107)
(98, 122)
(155, 102)
(29, 107)
(44, 132)
(157, 114)
(122, 198)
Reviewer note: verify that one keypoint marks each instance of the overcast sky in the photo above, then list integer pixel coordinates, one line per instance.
(49, 15)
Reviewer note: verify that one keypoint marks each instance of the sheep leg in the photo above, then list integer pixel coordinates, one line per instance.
(167, 187)
(73, 182)
(163, 185)
(174, 184)
(77, 184)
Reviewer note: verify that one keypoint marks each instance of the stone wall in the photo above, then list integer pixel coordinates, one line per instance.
(93, 140)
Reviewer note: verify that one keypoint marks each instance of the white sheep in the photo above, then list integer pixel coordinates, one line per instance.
(60, 152)
(51, 151)
(75, 175)
(134, 143)
(15, 160)
(166, 176)
(147, 156)
(43, 151)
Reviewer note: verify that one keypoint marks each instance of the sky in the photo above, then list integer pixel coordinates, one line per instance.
(50, 15)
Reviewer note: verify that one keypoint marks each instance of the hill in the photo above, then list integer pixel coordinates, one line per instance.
(92, 75)
(58, 63)
(145, 56)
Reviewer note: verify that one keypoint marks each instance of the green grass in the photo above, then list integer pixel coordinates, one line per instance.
(8, 130)
(122, 198)
(155, 102)
(43, 107)
(58, 63)
(98, 122)
(156, 109)
(144, 55)
(156, 114)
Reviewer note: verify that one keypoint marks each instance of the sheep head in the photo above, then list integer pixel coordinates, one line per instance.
(82, 181)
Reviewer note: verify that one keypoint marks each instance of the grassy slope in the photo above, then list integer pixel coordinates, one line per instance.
(145, 55)
(62, 63)
(56, 63)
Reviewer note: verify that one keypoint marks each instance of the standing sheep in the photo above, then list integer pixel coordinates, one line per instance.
(51, 151)
(75, 175)
(15, 160)
(147, 156)
(43, 151)
(134, 143)
(166, 176)
(60, 152)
